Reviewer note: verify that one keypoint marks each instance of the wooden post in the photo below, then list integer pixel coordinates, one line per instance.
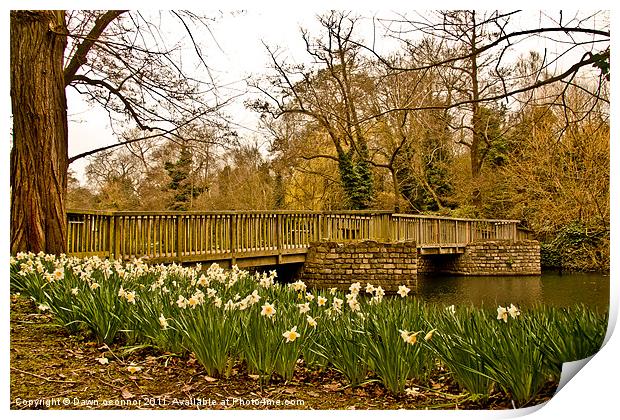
(279, 238)
(514, 231)
(179, 237)
(117, 237)
(110, 244)
(233, 239)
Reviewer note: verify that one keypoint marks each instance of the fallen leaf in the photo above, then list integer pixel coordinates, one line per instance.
(126, 394)
(332, 386)
(210, 379)
(255, 377)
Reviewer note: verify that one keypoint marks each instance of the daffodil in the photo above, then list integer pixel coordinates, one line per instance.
(133, 368)
(193, 301)
(304, 307)
(502, 313)
(514, 311)
(163, 321)
(299, 286)
(94, 286)
(355, 288)
(354, 305)
(370, 288)
(337, 303)
(59, 274)
(403, 290)
(320, 300)
(75, 291)
(333, 290)
(202, 281)
(182, 302)
(254, 297)
(408, 337)
(131, 297)
(311, 321)
(291, 335)
(429, 335)
(309, 297)
(268, 310)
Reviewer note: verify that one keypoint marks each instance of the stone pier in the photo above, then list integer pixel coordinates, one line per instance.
(390, 264)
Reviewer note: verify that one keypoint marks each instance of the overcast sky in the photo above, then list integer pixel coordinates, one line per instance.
(239, 53)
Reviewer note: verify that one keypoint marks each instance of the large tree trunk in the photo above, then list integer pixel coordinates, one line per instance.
(39, 160)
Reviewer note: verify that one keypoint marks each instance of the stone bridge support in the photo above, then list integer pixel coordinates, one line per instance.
(331, 264)
(489, 258)
(390, 264)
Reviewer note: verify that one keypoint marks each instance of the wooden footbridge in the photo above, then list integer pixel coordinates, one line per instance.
(254, 238)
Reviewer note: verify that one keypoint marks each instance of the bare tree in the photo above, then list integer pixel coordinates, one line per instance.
(118, 59)
(330, 97)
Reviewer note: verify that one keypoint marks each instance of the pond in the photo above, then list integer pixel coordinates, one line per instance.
(552, 289)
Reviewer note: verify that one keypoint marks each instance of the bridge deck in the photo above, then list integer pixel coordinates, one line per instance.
(264, 238)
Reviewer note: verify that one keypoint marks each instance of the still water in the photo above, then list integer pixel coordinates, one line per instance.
(550, 289)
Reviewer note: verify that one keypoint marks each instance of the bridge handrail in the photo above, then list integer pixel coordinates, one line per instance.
(180, 235)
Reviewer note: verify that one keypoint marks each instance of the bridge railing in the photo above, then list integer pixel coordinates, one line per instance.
(202, 236)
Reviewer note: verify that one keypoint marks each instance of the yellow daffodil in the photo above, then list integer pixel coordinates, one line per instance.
(320, 300)
(333, 290)
(309, 297)
(403, 290)
(409, 338)
(429, 335)
(75, 291)
(268, 310)
(370, 288)
(291, 335)
(304, 307)
(94, 286)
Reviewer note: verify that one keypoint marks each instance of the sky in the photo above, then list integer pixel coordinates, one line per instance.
(236, 52)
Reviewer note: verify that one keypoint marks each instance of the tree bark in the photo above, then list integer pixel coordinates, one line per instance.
(39, 159)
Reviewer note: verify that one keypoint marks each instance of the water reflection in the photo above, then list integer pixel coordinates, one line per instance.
(524, 291)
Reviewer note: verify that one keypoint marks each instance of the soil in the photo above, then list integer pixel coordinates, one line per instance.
(51, 369)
